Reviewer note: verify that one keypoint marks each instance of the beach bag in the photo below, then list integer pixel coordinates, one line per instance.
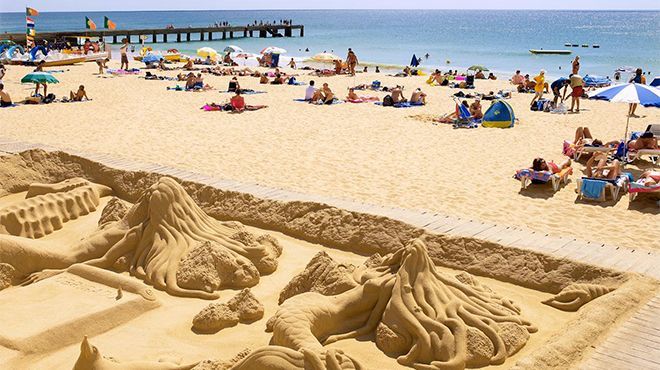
(292, 80)
(387, 101)
(49, 98)
(375, 85)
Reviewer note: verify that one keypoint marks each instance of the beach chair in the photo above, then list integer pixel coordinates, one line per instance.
(652, 154)
(528, 176)
(465, 119)
(597, 189)
(570, 150)
(636, 188)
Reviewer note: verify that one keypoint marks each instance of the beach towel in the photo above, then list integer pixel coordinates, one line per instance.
(592, 189)
(244, 92)
(211, 108)
(402, 105)
(132, 71)
(335, 101)
(639, 187)
(176, 88)
(363, 99)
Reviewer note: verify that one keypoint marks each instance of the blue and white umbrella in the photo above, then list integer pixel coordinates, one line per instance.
(632, 93)
(151, 58)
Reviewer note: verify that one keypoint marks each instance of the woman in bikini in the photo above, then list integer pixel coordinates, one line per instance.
(539, 164)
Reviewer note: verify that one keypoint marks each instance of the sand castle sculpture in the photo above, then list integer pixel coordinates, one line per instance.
(156, 240)
(423, 317)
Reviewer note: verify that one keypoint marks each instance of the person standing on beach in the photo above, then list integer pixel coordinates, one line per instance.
(538, 86)
(577, 84)
(576, 65)
(123, 50)
(352, 61)
(638, 79)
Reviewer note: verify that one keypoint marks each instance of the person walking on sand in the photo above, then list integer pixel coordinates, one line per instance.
(123, 50)
(576, 65)
(577, 84)
(638, 79)
(539, 86)
(352, 61)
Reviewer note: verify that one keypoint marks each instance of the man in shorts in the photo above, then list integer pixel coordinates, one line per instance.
(577, 84)
(124, 57)
(556, 87)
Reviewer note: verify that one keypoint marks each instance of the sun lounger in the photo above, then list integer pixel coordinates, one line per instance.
(597, 189)
(655, 129)
(528, 176)
(636, 188)
(653, 155)
(570, 150)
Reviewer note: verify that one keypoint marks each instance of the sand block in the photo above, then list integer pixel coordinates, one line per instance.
(60, 310)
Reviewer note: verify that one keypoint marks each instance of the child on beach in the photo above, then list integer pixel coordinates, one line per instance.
(539, 84)
(5, 99)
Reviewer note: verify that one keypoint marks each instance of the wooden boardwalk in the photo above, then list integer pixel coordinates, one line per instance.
(634, 344)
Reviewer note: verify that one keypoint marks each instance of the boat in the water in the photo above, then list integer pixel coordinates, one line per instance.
(585, 45)
(595, 46)
(543, 51)
(568, 44)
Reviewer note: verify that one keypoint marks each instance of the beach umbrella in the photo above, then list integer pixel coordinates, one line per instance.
(655, 82)
(273, 50)
(478, 67)
(414, 62)
(150, 58)
(325, 57)
(233, 49)
(207, 52)
(630, 93)
(39, 78)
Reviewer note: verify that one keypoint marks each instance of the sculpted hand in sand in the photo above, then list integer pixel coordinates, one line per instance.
(425, 317)
(164, 228)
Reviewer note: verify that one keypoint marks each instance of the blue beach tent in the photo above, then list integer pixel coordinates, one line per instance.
(500, 115)
(414, 62)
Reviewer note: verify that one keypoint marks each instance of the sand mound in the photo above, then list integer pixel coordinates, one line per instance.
(321, 275)
(37, 188)
(575, 296)
(114, 211)
(6, 275)
(244, 307)
(40, 215)
(420, 315)
(91, 359)
(153, 237)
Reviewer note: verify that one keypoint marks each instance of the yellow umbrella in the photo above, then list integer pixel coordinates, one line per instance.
(207, 52)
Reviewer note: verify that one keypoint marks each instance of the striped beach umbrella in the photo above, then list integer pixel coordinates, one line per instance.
(273, 50)
(631, 93)
(39, 78)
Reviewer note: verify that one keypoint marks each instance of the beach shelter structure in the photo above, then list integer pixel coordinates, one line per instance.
(499, 115)
(629, 93)
(39, 78)
(478, 67)
(414, 62)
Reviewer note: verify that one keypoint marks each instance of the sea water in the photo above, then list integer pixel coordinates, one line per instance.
(499, 40)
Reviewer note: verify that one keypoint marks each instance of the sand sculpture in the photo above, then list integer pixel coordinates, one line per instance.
(49, 208)
(322, 275)
(153, 238)
(425, 318)
(575, 296)
(91, 359)
(244, 308)
(6, 275)
(38, 188)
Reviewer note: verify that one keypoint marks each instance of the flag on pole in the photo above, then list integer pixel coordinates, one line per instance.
(31, 32)
(31, 11)
(89, 24)
(107, 23)
(29, 22)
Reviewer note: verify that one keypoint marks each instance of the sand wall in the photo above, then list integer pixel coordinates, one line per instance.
(319, 223)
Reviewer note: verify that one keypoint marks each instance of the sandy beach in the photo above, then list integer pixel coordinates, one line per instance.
(387, 156)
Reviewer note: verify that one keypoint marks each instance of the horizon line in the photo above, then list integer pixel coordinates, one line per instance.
(326, 9)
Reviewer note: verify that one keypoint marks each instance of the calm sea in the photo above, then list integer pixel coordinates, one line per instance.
(499, 40)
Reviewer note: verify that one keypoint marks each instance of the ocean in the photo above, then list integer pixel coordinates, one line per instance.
(499, 40)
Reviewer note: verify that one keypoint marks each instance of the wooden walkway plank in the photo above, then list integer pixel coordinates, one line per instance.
(470, 228)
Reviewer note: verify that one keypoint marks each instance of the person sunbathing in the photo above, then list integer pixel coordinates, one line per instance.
(162, 66)
(480, 75)
(598, 168)
(450, 117)
(649, 178)
(5, 99)
(233, 85)
(338, 66)
(397, 94)
(418, 97)
(79, 95)
(539, 164)
(238, 104)
(264, 79)
(352, 95)
(646, 141)
(189, 66)
(278, 80)
(475, 109)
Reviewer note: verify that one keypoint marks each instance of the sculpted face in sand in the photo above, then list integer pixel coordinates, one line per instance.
(423, 317)
(164, 228)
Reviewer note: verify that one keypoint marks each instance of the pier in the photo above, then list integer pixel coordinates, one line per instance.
(153, 35)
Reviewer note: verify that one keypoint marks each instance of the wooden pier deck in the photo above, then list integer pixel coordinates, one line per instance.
(155, 35)
(632, 344)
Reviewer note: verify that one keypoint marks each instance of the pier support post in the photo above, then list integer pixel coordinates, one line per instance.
(128, 36)
(114, 39)
(164, 37)
(210, 36)
(245, 33)
(231, 34)
(188, 36)
(302, 31)
(201, 36)
(224, 35)
(287, 32)
(251, 33)
(263, 33)
(178, 37)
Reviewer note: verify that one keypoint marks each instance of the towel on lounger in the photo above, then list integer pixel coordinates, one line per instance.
(592, 189)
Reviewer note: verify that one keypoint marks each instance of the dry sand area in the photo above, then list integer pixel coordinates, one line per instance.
(356, 151)
(108, 269)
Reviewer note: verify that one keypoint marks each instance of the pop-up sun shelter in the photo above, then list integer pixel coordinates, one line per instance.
(500, 114)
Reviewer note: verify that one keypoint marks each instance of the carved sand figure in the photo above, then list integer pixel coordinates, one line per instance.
(49, 208)
(154, 236)
(575, 296)
(91, 359)
(425, 318)
(244, 307)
